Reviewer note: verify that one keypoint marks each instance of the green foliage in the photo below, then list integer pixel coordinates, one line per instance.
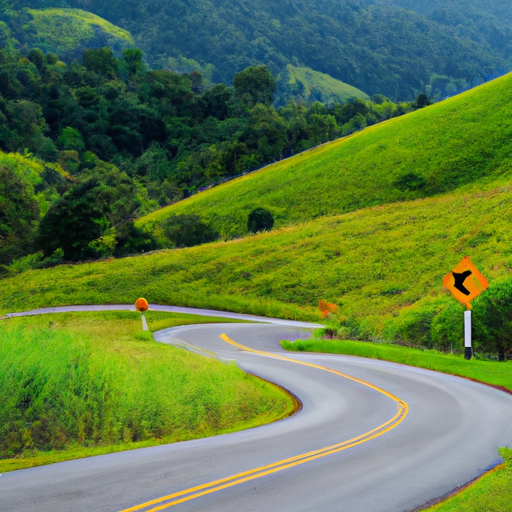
(67, 381)
(20, 205)
(255, 85)
(492, 319)
(411, 181)
(427, 152)
(188, 230)
(81, 222)
(70, 32)
(382, 266)
(395, 47)
(165, 131)
(483, 371)
(306, 85)
(260, 220)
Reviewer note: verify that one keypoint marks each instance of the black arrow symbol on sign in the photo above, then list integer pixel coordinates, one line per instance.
(459, 281)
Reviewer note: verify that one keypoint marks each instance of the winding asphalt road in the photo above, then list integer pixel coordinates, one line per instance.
(371, 436)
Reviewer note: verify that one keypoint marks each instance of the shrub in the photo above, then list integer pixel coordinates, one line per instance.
(492, 320)
(260, 219)
(410, 181)
(188, 230)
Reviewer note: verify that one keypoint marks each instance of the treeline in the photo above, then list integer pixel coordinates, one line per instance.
(107, 140)
(395, 47)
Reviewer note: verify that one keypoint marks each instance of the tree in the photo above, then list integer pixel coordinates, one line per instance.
(131, 62)
(492, 320)
(19, 205)
(73, 222)
(188, 230)
(255, 85)
(260, 219)
(422, 101)
(102, 62)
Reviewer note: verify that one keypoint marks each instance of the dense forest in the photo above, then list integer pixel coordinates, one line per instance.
(395, 47)
(89, 147)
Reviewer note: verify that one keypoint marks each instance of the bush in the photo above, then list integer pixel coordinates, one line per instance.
(260, 219)
(188, 230)
(492, 320)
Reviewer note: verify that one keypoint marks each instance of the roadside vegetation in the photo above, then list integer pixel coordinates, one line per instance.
(481, 370)
(491, 493)
(383, 267)
(80, 384)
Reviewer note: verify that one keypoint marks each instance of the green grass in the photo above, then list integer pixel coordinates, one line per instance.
(497, 374)
(450, 144)
(491, 493)
(312, 85)
(64, 30)
(380, 265)
(81, 384)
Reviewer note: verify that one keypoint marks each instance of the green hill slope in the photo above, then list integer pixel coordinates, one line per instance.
(68, 32)
(383, 266)
(458, 141)
(304, 84)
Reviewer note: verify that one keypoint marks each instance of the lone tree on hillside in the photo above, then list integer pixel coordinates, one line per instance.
(259, 220)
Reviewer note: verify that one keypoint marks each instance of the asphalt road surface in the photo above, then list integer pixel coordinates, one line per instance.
(371, 436)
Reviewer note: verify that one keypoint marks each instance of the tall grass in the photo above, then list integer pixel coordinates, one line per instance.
(87, 380)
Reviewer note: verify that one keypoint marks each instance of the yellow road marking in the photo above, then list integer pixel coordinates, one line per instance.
(223, 483)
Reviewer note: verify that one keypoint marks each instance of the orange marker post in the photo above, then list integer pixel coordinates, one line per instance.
(465, 283)
(142, 305)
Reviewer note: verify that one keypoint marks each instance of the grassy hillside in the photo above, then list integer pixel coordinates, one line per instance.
(67, 32)
(427, 152)
(383, 266)
(305, 84)
(77, 384)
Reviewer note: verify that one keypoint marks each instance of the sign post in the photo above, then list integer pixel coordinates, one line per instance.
(468, 350)
(465, 283)
(142, 305)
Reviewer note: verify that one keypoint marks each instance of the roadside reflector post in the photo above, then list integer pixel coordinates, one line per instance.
(468, 350)
(145, 324)
(142, 305)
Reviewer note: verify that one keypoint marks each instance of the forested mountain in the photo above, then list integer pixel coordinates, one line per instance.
(395, 47)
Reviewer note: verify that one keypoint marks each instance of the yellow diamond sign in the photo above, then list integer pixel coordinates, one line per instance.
(465, 282)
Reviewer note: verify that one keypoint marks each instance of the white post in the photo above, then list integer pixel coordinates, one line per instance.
(468, 351)
(144, 323)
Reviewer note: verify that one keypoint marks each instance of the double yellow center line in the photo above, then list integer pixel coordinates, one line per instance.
(201, 490)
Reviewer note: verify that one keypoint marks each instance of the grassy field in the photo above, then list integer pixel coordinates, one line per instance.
(445, 146)
(382, 266)
(80, 384)
(491, 493)
(312, 86)
(64, 30)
